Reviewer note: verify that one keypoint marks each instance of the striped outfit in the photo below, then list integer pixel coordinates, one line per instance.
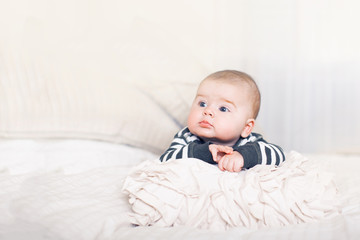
(254, 149)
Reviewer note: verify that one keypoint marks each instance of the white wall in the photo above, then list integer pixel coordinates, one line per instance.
(304, 54)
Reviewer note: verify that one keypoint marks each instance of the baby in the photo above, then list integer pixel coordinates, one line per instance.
(220, 125)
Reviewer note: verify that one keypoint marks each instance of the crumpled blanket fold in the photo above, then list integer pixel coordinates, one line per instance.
(194, 193)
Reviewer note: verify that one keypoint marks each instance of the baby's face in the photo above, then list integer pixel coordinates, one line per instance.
(220, 111)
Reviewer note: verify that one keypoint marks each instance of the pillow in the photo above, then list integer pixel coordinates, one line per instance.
(71, 83)
(49, 108)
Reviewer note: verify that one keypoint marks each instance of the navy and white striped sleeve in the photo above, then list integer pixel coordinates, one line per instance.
(178, 147)
(187, 145)
(255, 150)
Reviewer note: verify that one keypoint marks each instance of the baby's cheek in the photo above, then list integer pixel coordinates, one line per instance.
(193, 117)
(226, 131)
(190, 121)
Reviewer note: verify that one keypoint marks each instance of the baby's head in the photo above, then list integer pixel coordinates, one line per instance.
(225, 107)
(243, 82)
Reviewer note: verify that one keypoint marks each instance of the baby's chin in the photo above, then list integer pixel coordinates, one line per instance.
(208, 135)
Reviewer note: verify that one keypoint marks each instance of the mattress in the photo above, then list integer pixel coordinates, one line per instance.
(72, 189)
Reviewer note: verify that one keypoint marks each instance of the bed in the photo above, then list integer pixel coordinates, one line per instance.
(72, 189)
(69, 164)
(77, 157)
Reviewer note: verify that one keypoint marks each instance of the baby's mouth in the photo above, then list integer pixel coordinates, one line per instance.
(205, 124)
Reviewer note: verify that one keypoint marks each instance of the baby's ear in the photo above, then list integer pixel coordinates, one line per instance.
(250, 123)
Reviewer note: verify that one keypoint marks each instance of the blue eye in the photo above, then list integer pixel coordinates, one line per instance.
(202, 104)
(224, 109)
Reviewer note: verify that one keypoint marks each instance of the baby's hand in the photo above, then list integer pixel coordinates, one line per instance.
(218, 151)
(231, 162)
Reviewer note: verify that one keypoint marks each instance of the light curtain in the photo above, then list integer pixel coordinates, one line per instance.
(306, 57)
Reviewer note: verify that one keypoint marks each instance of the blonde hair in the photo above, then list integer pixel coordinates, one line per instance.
(237, 76)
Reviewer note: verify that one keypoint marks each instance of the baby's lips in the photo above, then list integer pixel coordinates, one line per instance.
(205, 124)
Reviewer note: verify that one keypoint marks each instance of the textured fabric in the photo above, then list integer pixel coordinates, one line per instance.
(68, 190)
(191, 192)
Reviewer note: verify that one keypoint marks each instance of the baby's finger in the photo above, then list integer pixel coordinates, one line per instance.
(226, 163)
(229, 165)
(221, 164)
(237, 166)
(211, 149)
(226, 149)
(214, 156)
(213, 152)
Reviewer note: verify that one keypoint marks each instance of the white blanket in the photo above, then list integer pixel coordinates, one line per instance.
(72, 190)
(193, 193)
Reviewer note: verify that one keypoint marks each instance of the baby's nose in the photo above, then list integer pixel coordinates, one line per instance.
(208, 112)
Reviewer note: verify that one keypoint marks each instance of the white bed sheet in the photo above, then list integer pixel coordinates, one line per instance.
(71, 189)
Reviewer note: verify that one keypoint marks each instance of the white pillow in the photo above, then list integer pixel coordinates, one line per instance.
(59, 82)
(36, 108)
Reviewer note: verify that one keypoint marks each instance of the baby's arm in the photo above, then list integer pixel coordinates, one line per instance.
(186, 145)
(254, 150)
(260, 151)
(192, 150)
